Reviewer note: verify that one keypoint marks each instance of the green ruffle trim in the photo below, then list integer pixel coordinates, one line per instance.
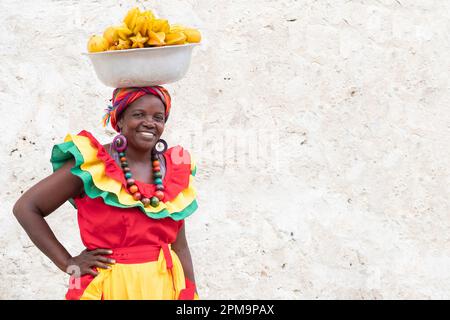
(63, 152)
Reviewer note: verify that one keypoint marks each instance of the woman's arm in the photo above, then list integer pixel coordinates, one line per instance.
(180, 246)
(41, 200)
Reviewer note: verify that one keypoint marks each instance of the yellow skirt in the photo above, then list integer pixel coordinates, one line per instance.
(130, 278)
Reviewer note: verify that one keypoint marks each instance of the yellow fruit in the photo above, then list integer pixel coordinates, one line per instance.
(192, 35)
(123, 44)
(140, 29)
(148, 14)
(160, 25)
(111, 35)
(177, 28)
(149, 26)
(97, 44)
(130, 18)
(156, 38)
(123, 32)
(175, 38)
(141, 25)
(138, 41)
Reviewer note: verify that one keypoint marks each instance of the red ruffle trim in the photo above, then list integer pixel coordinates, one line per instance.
(77, 286)
(175, 180)
(188, 292)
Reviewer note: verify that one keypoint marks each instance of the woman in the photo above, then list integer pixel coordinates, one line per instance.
(132, 197)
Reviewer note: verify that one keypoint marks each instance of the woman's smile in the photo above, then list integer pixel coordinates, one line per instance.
(146, 135)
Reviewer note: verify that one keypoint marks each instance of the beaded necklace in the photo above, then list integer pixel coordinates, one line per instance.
(132, 187)
(131, 183)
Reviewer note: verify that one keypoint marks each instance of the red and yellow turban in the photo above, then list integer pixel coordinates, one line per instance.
(123, 97)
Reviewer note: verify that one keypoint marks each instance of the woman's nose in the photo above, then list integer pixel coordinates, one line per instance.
(149, 122)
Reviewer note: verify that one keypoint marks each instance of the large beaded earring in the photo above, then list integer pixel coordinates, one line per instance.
(120, 143)
(160, 147)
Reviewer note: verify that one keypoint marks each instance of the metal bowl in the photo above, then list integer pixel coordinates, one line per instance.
(143, 66)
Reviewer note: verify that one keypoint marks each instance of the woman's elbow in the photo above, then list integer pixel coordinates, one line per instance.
(18, 209)
(21, 208)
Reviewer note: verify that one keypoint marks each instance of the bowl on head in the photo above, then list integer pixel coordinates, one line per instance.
(142, 66)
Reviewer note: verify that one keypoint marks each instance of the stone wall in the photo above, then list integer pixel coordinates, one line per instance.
(321, 131)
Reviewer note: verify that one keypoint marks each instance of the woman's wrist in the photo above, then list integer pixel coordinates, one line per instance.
(64, 266)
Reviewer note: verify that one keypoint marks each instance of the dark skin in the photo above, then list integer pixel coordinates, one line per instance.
(144, 115)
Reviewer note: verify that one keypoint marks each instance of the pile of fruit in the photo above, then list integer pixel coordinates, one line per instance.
(141, 30)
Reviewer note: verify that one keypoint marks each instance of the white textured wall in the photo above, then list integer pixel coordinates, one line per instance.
(321, 130)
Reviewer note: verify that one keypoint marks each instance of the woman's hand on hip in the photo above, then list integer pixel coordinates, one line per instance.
(88, 260)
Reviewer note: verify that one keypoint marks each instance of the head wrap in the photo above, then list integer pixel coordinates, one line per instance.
(123, 97)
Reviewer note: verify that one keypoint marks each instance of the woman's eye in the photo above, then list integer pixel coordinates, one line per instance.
(159, 118)
(137, 114)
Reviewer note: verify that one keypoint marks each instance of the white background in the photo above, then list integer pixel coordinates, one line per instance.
(321, 132)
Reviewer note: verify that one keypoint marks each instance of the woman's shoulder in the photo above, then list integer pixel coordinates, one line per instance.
(88, 152)
(86, 140)
(180, 158)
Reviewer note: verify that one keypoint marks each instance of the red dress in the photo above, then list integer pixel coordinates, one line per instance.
(140, 237)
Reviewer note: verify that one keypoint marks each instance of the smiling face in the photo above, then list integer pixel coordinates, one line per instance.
(142, 123)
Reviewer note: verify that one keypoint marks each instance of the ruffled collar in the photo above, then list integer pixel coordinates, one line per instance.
(175, 180)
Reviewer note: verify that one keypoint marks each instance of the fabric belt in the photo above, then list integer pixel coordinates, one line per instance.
(142, 254)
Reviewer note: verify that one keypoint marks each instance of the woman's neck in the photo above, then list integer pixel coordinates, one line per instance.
(137, 156)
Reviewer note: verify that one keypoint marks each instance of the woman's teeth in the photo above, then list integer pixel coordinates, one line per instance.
(147, 134)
